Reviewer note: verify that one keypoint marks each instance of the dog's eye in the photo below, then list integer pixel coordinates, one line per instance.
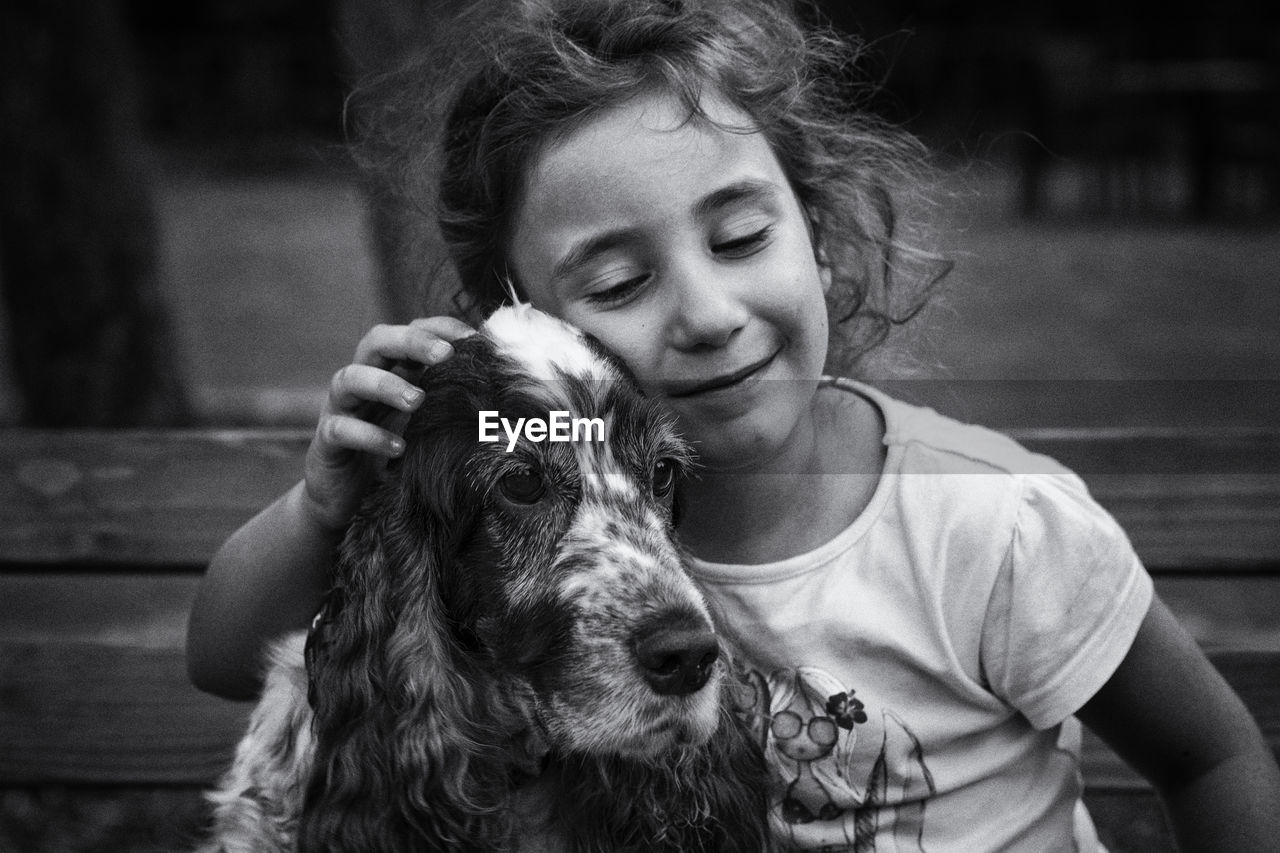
(664, 477)
(523, 487)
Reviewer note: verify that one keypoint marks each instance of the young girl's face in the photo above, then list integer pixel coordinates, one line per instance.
(683, 249)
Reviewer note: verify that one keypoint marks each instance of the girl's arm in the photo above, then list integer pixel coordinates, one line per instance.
(267, 579)
(1168, 712)
(270, 576)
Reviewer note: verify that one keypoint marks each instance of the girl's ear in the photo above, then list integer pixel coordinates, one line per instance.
(824, 267)
(824, 271)
(819, 250)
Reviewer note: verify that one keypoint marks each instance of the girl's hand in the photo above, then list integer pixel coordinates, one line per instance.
(348, 447)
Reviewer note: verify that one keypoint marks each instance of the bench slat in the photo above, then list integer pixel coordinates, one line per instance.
(1191, 501)
(91, 713)
(136, 498)
(1197, 522)
(96, 713)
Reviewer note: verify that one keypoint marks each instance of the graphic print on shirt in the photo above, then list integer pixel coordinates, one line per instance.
(833, 760)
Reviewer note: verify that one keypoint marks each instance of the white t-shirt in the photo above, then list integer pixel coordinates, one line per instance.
(913, 679)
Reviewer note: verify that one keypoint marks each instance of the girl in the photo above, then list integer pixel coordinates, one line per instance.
(923, 608)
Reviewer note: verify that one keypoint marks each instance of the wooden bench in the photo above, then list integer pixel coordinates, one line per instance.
(105, 745)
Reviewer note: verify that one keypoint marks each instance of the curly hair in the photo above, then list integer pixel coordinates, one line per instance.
(451, 141)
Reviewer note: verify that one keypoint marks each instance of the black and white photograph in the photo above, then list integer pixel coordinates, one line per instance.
(639, 425)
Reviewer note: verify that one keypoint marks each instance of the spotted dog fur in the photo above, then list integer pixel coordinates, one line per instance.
(512, 657)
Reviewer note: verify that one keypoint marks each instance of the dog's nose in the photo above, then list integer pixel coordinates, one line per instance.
(677, 661)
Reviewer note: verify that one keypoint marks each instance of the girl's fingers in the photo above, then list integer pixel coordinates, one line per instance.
(343, 432)
(425, 341)
(449, 328)
(357, 384)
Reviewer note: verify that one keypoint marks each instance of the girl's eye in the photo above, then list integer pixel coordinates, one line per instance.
(664, 478)
(741, 247)
(618, 292)
(523, 487)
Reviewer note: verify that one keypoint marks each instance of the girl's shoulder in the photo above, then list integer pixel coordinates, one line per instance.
(931, 442)
(1022, 504)
(1009, 491)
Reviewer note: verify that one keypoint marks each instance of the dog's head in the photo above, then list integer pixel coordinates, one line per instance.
(548, 564)
(499, 603)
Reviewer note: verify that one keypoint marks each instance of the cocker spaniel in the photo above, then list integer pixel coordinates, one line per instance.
(511, 657)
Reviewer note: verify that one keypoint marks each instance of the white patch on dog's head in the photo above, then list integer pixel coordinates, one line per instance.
(545, 347)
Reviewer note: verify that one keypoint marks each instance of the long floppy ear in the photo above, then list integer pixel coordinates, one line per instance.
(401, 714)
(713, 798)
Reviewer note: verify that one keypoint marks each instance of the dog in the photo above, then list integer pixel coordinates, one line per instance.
(511, 657)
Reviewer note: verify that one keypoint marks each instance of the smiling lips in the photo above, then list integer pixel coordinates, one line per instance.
(717, 383)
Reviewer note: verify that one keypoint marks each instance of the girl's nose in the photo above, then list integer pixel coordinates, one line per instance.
(707, 309)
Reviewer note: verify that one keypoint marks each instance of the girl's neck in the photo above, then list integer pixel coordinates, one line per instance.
(820, 482)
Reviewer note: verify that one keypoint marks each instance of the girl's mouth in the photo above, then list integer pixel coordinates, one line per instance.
(722, 381)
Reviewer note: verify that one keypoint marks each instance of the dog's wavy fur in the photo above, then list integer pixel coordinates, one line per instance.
(471, 682)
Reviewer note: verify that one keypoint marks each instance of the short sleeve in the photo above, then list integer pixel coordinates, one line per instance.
(1066, 605)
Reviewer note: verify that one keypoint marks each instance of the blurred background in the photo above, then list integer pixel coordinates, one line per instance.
(183, 241)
